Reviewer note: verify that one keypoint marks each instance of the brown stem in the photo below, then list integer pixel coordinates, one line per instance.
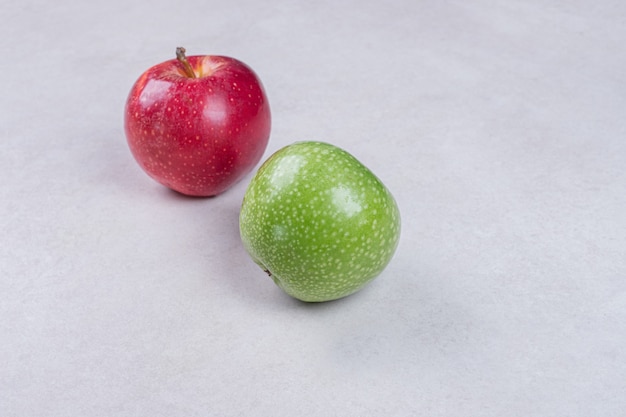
(180, 55)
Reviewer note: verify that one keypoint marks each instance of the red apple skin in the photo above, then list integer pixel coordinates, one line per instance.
(198, 136)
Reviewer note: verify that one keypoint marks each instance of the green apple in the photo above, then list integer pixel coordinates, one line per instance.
(318, 222)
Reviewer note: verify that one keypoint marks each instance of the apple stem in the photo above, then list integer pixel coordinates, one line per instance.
(180, 55)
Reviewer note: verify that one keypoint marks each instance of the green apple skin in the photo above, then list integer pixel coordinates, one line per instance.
(318, 222)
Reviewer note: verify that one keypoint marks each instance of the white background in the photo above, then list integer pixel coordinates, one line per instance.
(499, 126)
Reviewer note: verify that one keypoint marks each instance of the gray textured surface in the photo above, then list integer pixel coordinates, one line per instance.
(498, 125)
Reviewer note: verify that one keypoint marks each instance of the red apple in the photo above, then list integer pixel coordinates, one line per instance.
(198, 124)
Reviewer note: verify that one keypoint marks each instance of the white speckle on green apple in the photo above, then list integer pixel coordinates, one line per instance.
(319, 222)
